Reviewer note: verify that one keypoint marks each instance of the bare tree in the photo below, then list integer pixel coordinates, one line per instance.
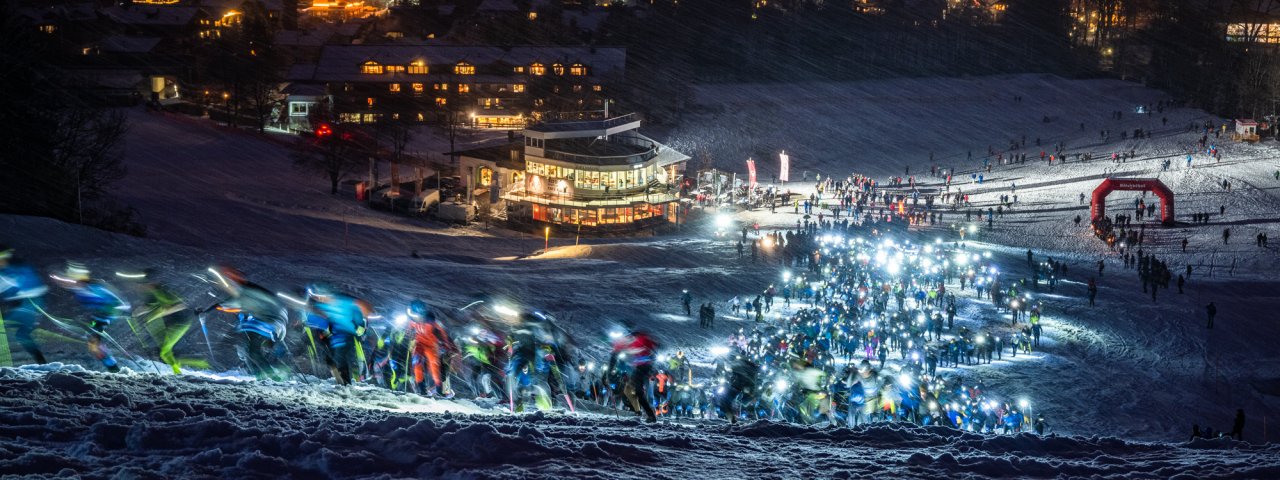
(87, 151)
(336, 154)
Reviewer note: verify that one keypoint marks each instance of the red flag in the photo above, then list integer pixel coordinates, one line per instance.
(751, 173)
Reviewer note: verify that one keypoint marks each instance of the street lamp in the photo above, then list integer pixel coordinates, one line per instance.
(226, 106)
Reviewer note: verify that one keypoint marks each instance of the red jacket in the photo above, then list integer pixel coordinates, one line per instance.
(638, 347)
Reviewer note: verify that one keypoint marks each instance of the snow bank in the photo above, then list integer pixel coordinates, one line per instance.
(61, 421)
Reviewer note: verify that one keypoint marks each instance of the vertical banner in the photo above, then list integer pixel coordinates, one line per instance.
(785, 168)
(751, 173)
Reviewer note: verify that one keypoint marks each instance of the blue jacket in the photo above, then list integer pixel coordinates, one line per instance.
(20, 281)
(339, 315)
(101, 301)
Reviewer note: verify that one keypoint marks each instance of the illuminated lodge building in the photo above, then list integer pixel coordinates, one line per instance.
(481, 86)
(594, 175)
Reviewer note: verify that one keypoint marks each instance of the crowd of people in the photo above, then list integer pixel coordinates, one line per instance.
(873, 325)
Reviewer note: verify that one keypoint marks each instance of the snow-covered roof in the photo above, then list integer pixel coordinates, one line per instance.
(1246, 121)
(126, 44)
(301, 38)
(303, 89)
(586, 21)
(107, 77)
(301, 72)
(151, 15)
(342, 62)
(497, 6)
(68, 12)
(221, 6)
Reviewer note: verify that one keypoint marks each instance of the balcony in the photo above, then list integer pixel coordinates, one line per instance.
(551, 129)
(617, 151)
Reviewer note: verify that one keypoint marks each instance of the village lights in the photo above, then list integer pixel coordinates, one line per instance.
(781, 385)
(719, 351)
(401, 320)
(505, 310)
(786, 275)
(615, 334)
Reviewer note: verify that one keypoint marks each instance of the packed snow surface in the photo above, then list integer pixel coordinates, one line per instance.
(1120, 383)
(63, 421)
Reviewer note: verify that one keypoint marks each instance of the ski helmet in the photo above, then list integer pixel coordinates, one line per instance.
(229, 274)
(77, 271)
(319, 290)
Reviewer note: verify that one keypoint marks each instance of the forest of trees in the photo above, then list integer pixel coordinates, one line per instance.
(1177, 45)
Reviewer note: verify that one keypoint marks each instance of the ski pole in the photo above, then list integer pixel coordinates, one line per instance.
(6, 359)
(205, 329)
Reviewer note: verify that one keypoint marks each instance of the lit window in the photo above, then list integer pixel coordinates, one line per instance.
(518, 88)
(440, 86)
(463, 88)
(578, 69)
(577, 88)
(441, 101)
(418, 67)
(557, 69)
(369, 101)
(596, 88)
(464, 68)
(298, 109)
(395, 68)
(518, 69)
(533, 15)
(371, 68)
(48, 28)
(537, 69)
(421, 117)
(417, 88)
(395, 87)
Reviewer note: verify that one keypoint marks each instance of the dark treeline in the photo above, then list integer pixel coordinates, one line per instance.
(1176, 45)
(60, 152)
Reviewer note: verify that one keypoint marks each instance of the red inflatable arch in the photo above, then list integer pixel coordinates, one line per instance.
(1099, 207)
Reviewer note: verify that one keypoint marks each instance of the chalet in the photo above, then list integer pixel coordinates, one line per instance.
(481, 86)
(597, 175)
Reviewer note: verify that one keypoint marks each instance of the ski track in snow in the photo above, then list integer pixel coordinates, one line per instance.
(1127, 368)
